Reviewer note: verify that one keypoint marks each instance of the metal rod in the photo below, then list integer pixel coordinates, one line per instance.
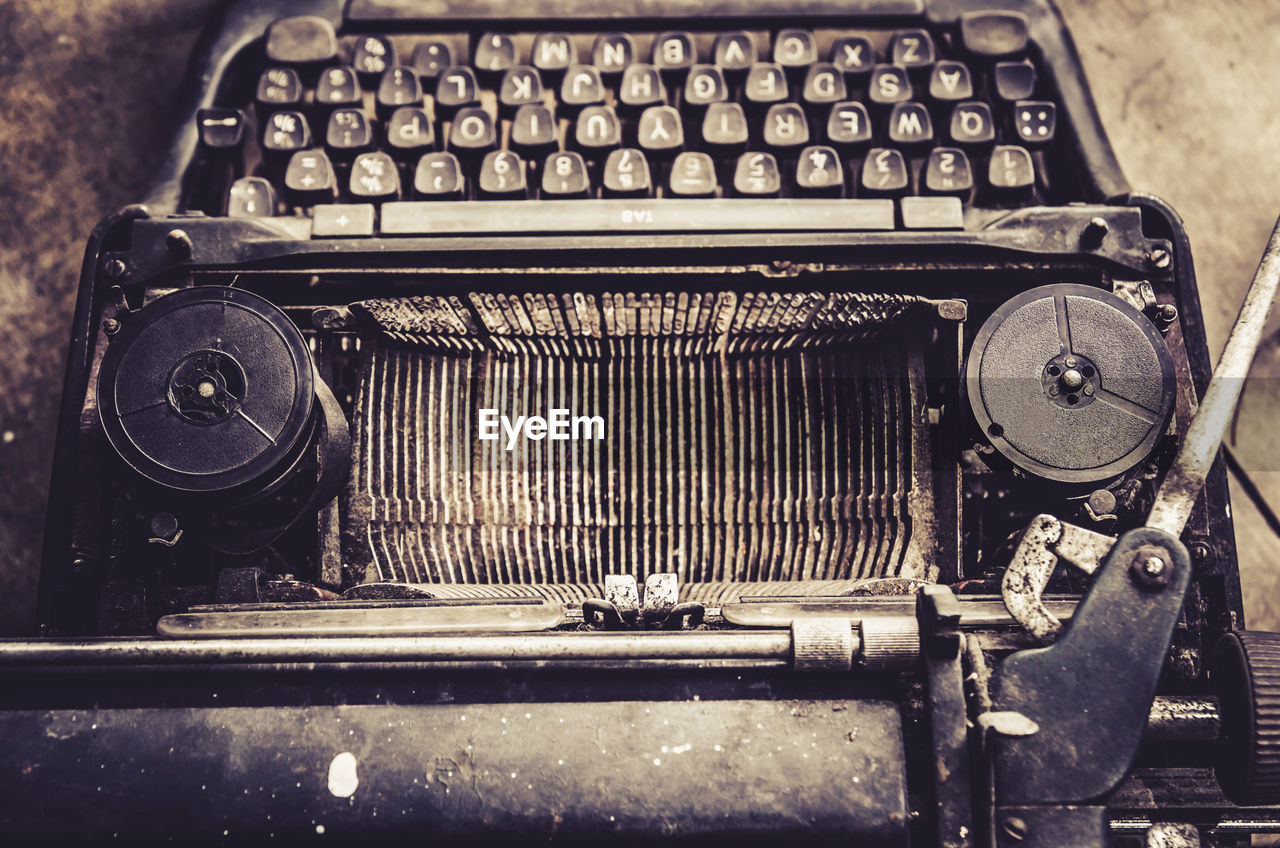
(393, 666)
(1186, 478)
(768, 646)
(1184, 718)
(1244, 823)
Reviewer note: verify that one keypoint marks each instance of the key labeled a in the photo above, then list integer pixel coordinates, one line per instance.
(950, 81)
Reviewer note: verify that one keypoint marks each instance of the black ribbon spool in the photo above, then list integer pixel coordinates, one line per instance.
(210, 393)
(1070, 383)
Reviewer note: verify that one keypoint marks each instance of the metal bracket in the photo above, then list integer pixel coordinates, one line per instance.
(1043, 543)
(658, 606)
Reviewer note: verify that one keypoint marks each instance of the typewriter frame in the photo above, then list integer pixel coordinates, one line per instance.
(138, 243)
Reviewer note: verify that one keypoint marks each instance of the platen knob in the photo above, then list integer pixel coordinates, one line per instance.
(1246, 673)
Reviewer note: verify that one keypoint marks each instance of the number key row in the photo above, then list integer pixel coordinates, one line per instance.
(311, 178)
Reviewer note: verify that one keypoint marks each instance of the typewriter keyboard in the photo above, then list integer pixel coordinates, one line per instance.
(841, 128)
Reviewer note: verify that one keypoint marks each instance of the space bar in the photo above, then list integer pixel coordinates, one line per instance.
(647, 216)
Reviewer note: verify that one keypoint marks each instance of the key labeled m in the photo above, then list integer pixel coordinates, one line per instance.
(909, 124)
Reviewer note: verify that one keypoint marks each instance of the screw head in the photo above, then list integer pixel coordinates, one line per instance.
(111, 326)
(178, 242)
(1160, 258)
(1151, 567)
(1072, 379)
(1014, 828)
(115, 269)
(1200, 552)
(1094, 232)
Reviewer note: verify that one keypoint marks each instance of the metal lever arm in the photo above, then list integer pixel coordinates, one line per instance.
(1183, 483)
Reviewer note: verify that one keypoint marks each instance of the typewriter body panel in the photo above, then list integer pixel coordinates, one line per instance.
(649, 457)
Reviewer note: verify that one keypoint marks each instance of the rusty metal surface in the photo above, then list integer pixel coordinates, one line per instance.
(821, 771)
(1183, 718)
(1045, 541)
(708, 402)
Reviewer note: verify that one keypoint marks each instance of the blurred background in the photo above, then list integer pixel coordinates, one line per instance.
(1186, 88)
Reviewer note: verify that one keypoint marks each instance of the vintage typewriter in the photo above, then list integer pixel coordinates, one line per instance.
(642, 422)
